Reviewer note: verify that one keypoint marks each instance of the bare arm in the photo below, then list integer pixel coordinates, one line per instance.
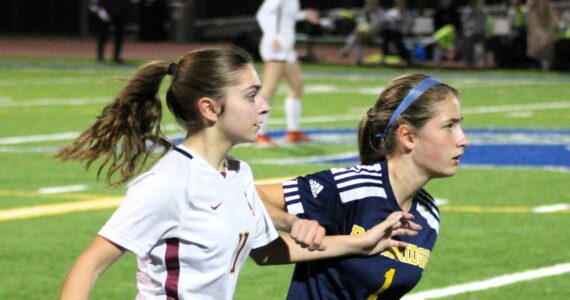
(94, 260)
(377, 239)
(307, 233)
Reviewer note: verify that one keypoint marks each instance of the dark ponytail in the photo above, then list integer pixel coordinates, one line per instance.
(130, 121)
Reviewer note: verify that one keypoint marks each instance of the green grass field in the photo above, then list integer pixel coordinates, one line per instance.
(488, 227)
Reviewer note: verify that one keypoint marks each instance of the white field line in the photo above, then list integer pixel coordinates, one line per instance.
(551, 208)
(52, 102)
(491, 283)
(63, 189)
(38, 138)
(60, 136)
(306, 120)
(58, 81)
(516, 108)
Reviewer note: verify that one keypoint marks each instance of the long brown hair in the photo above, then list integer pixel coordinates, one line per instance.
(128, 130)
(373, 149)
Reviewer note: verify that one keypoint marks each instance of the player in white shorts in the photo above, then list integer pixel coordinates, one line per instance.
(195, 216)
(277, 20)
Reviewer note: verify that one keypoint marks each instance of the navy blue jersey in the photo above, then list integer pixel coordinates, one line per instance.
(351, 201)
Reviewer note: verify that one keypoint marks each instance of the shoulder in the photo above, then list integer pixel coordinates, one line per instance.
(427, 208)
(173, 170)
(359, 182)
(426, 199)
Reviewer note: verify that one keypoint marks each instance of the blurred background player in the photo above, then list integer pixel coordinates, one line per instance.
(277, 20)
(367, 26)
(396, 23)
(411, 135)
(112, 14)
(474, 34)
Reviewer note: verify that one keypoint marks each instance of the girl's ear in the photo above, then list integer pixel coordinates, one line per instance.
(406, 136)
(209, 109)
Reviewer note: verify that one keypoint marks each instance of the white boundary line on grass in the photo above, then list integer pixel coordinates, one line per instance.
(63, 189)
(491, 283)
(306, 120)
(50, 102)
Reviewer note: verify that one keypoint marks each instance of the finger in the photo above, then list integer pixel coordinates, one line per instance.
(403, 232)
(301, 232)
(397, 244)
(407, 216)
(319, 238)
(294, 231)
(412, 225)
(308, 239)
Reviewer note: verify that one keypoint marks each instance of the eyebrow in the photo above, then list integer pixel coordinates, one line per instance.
(252, 88)
(456, 120)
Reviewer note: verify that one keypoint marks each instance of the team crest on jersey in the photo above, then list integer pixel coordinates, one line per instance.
(316, 188)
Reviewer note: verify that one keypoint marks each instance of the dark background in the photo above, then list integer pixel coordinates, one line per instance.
(69, 17)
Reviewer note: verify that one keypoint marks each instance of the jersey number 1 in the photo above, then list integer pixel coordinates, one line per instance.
(389, 275)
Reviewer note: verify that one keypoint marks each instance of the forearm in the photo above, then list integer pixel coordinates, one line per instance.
(281, 219)
(80, 280)
(96, 258)
(336, 245)
(285, 250)
(272, 197)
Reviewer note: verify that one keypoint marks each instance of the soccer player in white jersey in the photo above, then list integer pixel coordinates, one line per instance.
(277, 20)
(412, 135)
(195, 216)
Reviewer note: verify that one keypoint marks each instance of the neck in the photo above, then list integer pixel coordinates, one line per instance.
(209, 146)
(405, 179)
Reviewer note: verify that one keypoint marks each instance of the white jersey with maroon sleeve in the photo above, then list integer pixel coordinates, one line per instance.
(277, 20)
(190, 227)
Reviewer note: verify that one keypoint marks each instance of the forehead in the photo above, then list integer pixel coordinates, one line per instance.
(246, 77)
(447, 108)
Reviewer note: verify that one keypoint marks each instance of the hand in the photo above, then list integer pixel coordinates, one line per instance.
(308, 234)
(103, 15)
(313, 16)
(379, 237)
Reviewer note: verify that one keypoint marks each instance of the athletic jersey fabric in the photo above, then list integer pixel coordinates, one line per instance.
(351, 201)
(190, 227)
(277, 20)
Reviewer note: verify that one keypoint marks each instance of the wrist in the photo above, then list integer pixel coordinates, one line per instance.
(289, 221)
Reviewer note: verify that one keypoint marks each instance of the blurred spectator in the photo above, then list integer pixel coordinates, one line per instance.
(516, 43)
(152, 19)
(542, 26)
(112, 14)
(474, 33)
(447, 29)
(562, 45)
(367, 26)
(396, 23)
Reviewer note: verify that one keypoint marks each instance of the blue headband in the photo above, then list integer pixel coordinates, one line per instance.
(412, 96)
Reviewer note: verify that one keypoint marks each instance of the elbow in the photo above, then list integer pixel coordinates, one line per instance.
(259, 257)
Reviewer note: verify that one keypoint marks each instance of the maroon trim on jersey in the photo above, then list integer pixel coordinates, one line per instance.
(172, 269)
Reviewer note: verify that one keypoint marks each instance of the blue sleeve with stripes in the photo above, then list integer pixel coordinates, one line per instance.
(314, 197)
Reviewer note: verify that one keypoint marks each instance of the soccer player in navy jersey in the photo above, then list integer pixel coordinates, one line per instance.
(412, 135)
